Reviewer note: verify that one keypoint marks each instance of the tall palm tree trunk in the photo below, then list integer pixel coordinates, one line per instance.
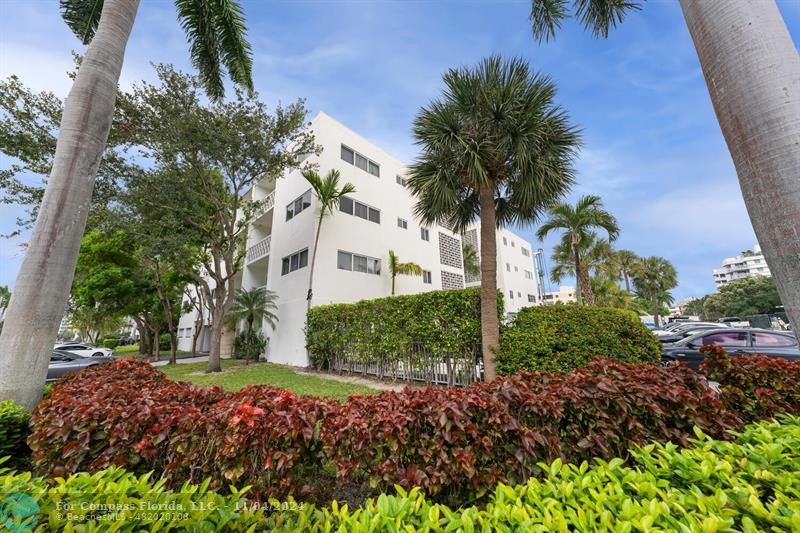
(394, 276)
(313, 261)
(490, 328)
(578, 280)
(43, 283)
(656, 305)
(627, 280)
(753, 74)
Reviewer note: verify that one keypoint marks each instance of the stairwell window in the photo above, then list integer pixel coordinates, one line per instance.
(293, 262)
(424, 234)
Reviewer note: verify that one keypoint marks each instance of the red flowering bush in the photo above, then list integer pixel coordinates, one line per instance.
(756, 386)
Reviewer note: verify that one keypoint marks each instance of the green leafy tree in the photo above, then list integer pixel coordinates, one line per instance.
(496, 147)
(397, 268)
(328, 193)
(750, 65)
(744, 297)
(578, 223)
(216, 31)
(627, 261)
(653, 280)
(208, 156)
(472, 264)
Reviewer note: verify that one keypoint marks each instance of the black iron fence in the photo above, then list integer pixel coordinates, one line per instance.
(414, 363)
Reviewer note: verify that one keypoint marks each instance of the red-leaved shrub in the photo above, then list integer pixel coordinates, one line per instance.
(756, 386)
(93, 419)
(455, 443)
(262, 436)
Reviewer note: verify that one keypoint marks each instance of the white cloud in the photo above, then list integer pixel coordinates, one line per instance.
(41, 69)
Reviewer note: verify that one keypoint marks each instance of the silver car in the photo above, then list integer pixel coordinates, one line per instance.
(62, 361)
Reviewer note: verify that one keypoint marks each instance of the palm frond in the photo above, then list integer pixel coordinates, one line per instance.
(597, 16)
(82, 17)
(197, 20)
(236, 53)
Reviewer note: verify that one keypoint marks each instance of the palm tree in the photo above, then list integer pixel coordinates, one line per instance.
(752, 70)
(578, 223)
(496, 147)
(627, 261)
(216, 32)
(253, 307)
(328, 193)
(405, 269)
(653, 279)
(472, 264)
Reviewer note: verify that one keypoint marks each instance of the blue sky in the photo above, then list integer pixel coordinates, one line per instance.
(653, 150)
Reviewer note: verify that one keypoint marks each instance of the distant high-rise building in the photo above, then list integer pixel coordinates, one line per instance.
(748, 263)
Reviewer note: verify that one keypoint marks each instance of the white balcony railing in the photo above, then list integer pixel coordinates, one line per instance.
(267, 204)
(258, 250)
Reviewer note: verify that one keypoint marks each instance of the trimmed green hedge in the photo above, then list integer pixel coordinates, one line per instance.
(445, 321)
(14, 429)
(110, 343)
(752, 484)
(560, 338)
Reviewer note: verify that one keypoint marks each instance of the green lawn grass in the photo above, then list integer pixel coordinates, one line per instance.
(236, 375)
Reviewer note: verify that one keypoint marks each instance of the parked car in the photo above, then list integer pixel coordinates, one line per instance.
(736, 341)
(62, 361)
(675, 328)
(734, 322)
(687, 330)
(84, 350)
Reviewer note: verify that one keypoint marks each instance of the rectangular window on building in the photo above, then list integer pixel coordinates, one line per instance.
(402, 223)
(531, 298)
(348, 155)
(352, 207)
(361, 161)
(374, 215)
(374, 169)
(505, 242)
(361, 211)
(519, 294)
(508, 267)
(359, 263)
(400, 180)
(511, 294)
(513, 245)
(426, 277)
(300, 204)
(424, 234)
(528, 274)
(346, 205)
(296, 261)
(344, 260)
(525, 252)
(516, 269)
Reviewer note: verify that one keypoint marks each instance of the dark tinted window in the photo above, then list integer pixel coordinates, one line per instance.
(344, 261)
(771, 339)
(285, 266)
(347, 154)
(727, 338)
(361, 162)
(374, 215)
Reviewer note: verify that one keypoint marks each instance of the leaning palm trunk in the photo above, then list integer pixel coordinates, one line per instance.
(42, 286)
(578, 270)
(313, 261)
(490, 328)
(753, 74)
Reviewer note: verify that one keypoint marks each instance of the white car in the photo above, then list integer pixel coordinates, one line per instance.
(84, 350)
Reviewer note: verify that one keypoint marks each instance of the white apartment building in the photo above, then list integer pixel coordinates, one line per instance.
(516, 275)
(563, 295)
(748, 263)
(352, 257)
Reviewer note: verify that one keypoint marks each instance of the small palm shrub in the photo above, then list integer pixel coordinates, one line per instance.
(249, 346)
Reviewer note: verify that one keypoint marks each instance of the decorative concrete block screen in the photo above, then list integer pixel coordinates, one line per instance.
(471, 238)
(450, 251)
(451, 280)
(433, 337)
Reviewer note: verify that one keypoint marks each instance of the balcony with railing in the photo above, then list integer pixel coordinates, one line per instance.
(258, 250)
(267, 203)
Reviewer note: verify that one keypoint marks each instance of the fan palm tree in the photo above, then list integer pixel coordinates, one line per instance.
(578, 223)
(752, 70)
(494, 147)
(216, 32)
(472, 264)
(396, 268)
(627, 261)
(653, 279)
(328, 194)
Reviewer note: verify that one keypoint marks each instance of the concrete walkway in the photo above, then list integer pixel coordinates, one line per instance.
(181, 361)
(355, 380)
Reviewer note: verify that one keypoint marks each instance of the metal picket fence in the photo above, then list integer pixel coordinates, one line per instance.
(416, 363)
